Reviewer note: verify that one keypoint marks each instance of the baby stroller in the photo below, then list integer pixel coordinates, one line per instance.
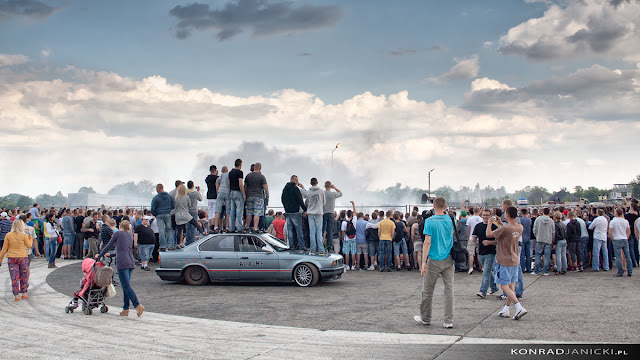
(96, 280)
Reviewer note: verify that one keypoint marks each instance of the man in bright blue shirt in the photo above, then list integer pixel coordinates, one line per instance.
(438, 241)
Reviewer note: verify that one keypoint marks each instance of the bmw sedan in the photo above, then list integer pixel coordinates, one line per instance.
(247, 257)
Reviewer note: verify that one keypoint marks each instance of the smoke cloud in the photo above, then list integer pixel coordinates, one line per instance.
(278, 164)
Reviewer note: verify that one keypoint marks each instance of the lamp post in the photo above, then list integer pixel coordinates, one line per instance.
(429, 193)
(334, 149)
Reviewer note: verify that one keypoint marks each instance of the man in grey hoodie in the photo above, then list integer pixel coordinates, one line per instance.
(315, 207)
(544, 230)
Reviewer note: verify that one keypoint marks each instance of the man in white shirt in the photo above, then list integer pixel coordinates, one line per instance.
(619, 230)
(472, 221)
(599, 227)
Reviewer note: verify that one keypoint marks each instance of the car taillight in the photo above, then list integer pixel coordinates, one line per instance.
(159, 262)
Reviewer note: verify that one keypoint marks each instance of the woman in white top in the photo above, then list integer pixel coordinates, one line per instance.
(52, 240)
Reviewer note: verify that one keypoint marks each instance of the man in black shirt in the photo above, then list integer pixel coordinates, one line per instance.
(212, 195)
(486, 254)
(78, 242)
(632, 216)
(237, 197)
(146, 240)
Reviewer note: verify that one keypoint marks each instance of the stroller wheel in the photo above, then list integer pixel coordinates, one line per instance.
(104, 309)
(87, 311)
(67, 310)
(84, 307)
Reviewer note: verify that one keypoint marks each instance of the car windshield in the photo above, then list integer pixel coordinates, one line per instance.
(275, 242)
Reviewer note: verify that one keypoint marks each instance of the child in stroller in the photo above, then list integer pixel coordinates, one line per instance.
(94, 285)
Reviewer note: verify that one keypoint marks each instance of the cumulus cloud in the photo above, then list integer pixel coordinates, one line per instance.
(465, 68)
(488, 84)
(11, 60)
(30, 9)
(260, 17)
(160, 127)
(578, 29)
(595, 93)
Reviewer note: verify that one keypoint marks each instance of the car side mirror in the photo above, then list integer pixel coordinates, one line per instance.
(264, 248)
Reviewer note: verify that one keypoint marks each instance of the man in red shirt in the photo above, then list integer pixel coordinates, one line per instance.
(278, 224)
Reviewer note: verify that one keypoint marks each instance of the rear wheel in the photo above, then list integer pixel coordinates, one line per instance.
(87, 311)
(104, 309)
(306, 275)
(196, 275)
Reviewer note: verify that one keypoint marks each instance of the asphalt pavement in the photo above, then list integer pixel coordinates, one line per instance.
(577, 307)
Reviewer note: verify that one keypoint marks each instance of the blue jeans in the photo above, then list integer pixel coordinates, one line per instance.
(373, 248)
(327, 226)
(400, 247)
(235, 210)
(384, 250)
(525, 256)
(542, 249)
(127, 291)
(624, 245)
(294, 220)
(633, 250)
(191, 229)
(488, 263)
(561, 255)
(600, 247)
(52, 247)
(167, 240)
(315, 232)
(145, 252)
(584, 241)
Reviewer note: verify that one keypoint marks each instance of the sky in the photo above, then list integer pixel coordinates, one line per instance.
(509, 93)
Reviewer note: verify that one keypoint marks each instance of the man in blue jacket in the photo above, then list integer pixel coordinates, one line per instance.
(161, 206)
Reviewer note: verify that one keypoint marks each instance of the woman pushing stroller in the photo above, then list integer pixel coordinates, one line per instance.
(123, 242)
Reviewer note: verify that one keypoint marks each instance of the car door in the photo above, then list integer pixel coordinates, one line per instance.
(256, 263)
(218, 255)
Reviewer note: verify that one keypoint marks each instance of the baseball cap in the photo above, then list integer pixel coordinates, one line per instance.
(212, 167)
(3, 214)
(463, 213)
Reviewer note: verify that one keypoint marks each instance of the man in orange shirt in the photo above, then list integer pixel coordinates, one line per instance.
(386, 232)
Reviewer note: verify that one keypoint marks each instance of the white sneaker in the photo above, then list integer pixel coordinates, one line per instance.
(504, 314)
(353, 267)
(470, 271)
(418, 318)
(447, 325)
(519, 314)
(371, 268)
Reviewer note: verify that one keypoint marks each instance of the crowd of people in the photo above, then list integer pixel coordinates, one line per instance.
(559, 240)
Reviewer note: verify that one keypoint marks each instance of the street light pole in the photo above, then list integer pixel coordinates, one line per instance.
(429, 193)
(334, 149)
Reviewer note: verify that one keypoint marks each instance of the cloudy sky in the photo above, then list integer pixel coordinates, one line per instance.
(508, 92)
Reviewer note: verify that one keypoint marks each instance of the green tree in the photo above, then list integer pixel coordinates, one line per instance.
(86, 190)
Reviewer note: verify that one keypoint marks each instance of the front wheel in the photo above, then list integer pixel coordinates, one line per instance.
(196, 275)
(104, 309)
(306, 275)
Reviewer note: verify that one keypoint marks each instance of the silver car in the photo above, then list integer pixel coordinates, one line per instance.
(247, 257)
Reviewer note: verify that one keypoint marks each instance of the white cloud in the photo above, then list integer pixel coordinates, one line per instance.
(99, 129)
(45, 52)
(595, 93)
(488, 84)
(12, 60)
(466, 68)
(579, 28)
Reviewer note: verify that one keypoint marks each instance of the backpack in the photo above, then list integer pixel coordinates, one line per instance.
(458, 252)
(351, 230)
(399, 232)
